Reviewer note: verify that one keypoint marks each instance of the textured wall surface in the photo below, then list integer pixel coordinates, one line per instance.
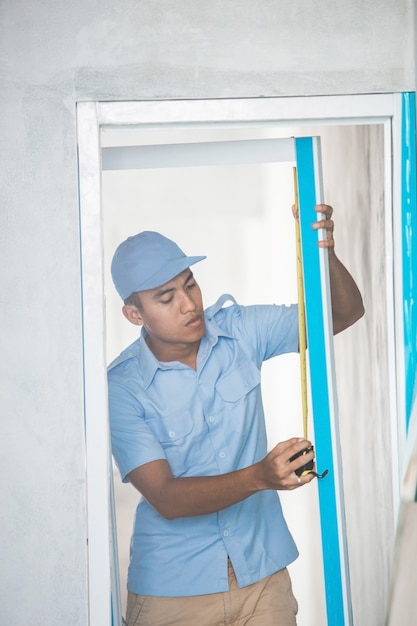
(53, 55)
(354, 183)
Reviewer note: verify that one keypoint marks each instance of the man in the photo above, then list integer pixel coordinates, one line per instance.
(210, 544)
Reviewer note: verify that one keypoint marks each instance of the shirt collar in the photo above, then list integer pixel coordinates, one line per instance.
(150, 364)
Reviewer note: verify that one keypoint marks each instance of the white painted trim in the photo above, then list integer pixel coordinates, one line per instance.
(284, 111)
(394, 307)
(199, 154)
(98, 466)
(396, 217)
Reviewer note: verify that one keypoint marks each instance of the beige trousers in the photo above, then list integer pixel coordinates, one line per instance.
(269, 602)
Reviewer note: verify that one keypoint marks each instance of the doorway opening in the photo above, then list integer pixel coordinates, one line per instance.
(239, 215)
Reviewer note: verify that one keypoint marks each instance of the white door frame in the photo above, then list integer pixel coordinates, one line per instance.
(383, 109)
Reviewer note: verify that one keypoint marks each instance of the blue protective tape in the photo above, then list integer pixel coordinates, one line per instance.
(409, 246)
(319, 386)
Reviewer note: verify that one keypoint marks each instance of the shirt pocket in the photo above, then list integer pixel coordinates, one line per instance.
(239, 382)
(240, 390)
(176, 434)
(171, 429)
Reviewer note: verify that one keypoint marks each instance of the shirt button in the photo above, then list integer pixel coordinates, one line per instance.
(172, 433)
(211, 419)
(222, 455)
(225, 533)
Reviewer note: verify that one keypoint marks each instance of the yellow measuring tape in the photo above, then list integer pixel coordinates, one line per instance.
(302, 338)
(301, 314)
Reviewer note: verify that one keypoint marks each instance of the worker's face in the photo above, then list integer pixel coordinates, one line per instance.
(171, 314)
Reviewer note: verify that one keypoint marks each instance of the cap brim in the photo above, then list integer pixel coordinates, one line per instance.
(168, 272)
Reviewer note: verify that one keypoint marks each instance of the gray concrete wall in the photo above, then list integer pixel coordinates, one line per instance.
(54, 54)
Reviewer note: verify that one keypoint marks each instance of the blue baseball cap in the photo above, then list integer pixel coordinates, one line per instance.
(146, 261)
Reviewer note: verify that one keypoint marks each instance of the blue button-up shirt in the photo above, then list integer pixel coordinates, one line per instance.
(204, 423)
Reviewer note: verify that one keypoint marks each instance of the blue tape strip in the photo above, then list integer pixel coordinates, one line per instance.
(409, 247)
(315, 316)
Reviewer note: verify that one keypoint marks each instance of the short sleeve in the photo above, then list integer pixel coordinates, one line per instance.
(270, 329)
(282, 336)
(133, 443)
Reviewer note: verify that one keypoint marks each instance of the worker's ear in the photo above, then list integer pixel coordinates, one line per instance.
(132, 313)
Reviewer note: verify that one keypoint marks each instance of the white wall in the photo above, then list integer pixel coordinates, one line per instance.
(53, 55)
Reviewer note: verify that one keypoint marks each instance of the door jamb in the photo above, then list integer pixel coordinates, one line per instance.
(91, 118)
